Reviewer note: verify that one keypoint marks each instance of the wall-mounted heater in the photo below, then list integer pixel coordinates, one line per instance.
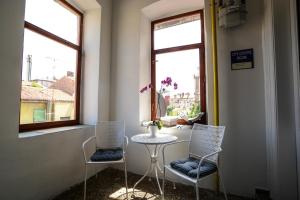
(232, 13)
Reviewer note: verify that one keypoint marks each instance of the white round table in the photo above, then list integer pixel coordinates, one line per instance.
(157, 142)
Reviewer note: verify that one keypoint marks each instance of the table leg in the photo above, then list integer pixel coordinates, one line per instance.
(154, 165)
(157, 180)
(147, 172)
(158, 167)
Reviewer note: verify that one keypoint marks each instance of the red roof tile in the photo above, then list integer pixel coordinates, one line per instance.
(66, 84)
(44, 94)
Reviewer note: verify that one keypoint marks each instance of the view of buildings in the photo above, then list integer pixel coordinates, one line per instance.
(44, 100)
(183, 103)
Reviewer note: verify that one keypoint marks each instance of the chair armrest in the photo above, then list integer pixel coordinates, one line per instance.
(205, 157)
(211, 154)
(84, 144)
(126, 144)
(126, 141)
(167, 145)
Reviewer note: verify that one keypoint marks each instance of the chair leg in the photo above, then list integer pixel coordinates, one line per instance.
(85, 176)
(222, 183)
(163, 184)
(197, 190)
(125, 171)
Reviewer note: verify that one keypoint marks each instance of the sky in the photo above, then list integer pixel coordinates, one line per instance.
(187, 33)
(183, 65)
(49, 58)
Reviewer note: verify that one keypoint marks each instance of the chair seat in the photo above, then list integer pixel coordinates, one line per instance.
(189, 167)
(107, 155)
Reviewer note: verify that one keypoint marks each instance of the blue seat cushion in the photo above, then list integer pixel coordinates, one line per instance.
(189, 167)
(107, 155)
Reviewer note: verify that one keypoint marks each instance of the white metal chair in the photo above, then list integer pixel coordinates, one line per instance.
(110, 143)
(204, 147)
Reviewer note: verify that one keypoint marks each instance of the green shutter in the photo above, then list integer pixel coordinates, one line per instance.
(39, 115)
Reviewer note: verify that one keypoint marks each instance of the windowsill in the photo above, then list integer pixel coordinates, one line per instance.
(178, 129)
(182, 133)
(30, 134)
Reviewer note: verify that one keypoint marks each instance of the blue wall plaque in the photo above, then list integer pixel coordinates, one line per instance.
(242, 59)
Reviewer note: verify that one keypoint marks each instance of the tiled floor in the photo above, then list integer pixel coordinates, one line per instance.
(109, 185)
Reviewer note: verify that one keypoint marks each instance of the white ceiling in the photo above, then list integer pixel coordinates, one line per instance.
(165, 8)
(84, 5)
(161, 8)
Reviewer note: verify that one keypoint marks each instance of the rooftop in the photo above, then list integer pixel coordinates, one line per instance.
(30, 93)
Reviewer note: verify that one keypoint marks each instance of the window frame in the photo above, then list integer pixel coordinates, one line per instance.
(78, 48)
(200, 46)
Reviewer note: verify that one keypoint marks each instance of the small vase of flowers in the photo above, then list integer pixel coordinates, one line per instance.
(156, 124)
(154, 127)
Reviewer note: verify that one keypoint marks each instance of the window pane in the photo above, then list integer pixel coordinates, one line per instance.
(53, 17)
(177, 32)
(48, 80)
(183, 68)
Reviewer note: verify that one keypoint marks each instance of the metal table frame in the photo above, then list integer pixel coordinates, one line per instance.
(154, 164)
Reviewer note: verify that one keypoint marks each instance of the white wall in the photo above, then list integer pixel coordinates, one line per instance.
(270, 99)
(37, 165)
(145, 66)
(242, 108)
(90, 64)
(285, 101)
(105, 60)
(125, 71)
(96, 61)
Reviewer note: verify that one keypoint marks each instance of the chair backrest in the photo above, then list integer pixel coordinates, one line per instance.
(206, 139)
(110, 134)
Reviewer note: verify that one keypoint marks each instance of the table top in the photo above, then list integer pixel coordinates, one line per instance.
(159, 139)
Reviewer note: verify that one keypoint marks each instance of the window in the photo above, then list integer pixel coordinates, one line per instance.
(178, 52)
(51, 65)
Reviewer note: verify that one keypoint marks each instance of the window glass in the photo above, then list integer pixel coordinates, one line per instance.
(177, 32)
(51, 16)
(48, 80)
(183, 67)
